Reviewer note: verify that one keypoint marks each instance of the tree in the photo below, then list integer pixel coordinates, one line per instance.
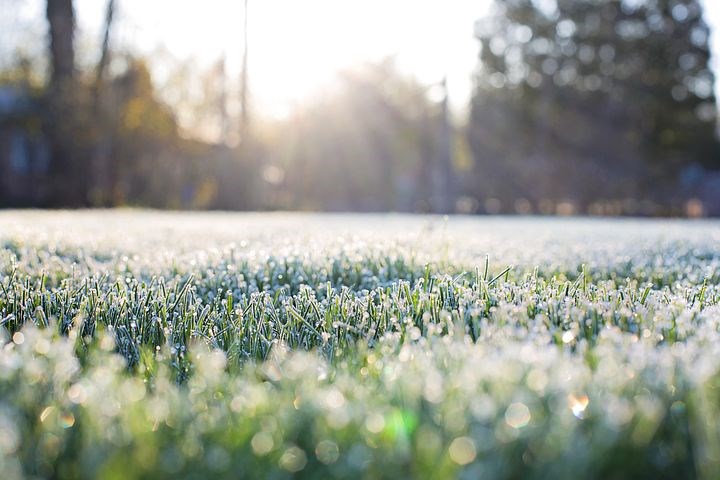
(61, 19)
(63, 122)
(608, 99)
(103, 170)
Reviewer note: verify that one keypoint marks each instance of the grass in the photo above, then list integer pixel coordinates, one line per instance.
(149, 345)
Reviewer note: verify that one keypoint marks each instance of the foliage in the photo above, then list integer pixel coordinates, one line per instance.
(588, 106)
(608, 99)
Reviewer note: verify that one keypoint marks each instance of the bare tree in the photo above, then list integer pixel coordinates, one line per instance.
(244, 114)
(105, 49)
(61, 19)
(68, 184)
(103, 168)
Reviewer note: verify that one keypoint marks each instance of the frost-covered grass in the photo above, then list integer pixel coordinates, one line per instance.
(151, 345)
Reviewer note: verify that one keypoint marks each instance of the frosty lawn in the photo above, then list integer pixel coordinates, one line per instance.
(146, 345)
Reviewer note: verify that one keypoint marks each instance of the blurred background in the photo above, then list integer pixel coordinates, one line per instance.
(600, 107)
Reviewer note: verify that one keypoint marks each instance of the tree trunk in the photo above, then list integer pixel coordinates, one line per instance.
(67, 179)
(244, 108)
(61, 19)
(103, 182)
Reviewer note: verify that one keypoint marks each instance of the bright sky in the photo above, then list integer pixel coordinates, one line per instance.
(297, 46)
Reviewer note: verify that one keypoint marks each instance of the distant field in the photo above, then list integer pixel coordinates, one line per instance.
(186, 345)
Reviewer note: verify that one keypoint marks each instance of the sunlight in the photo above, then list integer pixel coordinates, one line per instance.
(297, 48)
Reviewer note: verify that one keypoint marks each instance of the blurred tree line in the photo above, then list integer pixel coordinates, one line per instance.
(92, 137)
(579, 106)
(608, 100)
